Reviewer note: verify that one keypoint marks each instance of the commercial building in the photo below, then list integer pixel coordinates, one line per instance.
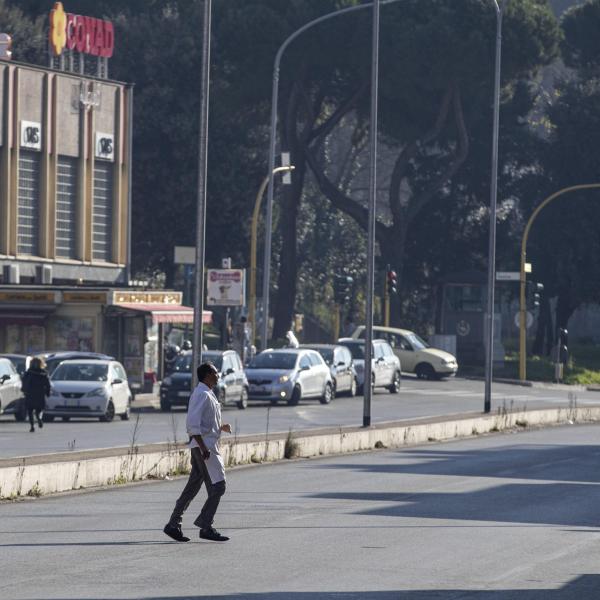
(65, 205)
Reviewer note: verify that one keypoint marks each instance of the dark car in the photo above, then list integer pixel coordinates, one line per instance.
(175, 389)
(21, 362)
(339, 360)
(53, 359)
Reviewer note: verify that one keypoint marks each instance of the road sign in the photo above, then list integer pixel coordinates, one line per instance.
(285, 162)
(508, 276)
(225, 287)
(185, 255)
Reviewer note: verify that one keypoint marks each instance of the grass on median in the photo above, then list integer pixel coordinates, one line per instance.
(583, 367)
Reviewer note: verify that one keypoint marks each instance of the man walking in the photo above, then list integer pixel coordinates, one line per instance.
(204, 428)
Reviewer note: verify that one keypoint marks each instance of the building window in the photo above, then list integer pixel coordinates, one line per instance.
(28, 203)
(66, 201)
(102, 215)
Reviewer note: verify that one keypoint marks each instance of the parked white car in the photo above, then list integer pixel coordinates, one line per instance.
(414, 353)
(11, 396)
(88, 388)
(289, 375)
(385, 365)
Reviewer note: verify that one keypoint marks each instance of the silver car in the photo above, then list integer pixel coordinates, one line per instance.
(289, 374)
(88, 388)
(385, 365)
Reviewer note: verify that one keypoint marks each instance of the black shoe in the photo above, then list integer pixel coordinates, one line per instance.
(40, 423)
(175, 532)
(212, 534)
(31, 429)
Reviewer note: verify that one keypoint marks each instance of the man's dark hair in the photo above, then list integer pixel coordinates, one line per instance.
(204, 369)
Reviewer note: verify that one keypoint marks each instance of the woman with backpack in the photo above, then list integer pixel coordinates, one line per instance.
(35, 386)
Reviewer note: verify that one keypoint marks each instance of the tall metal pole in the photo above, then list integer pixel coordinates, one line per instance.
(372, 217)
(489, 336)
(272, 135)
(253, 246)
(201, 203)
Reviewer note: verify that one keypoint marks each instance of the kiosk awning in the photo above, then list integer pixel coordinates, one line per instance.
(166, 313)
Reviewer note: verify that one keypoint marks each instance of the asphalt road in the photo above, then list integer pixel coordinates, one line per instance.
(417, 399)
(513, 516)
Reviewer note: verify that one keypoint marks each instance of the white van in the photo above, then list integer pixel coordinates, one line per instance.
(415, 355)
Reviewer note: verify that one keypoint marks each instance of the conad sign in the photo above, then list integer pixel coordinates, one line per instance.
(83, 34)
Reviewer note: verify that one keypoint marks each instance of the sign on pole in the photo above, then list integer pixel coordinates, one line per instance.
(285, 162)
(225, 287)
(508, 276)
(185, 255)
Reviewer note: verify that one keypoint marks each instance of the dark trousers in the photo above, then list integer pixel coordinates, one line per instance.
(38, 414)
(198, 476)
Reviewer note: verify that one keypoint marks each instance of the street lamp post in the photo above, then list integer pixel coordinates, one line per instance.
(272, 134)
(523, 274)
(201, 204)
(368, 389)
(253, 246)
(489, 329)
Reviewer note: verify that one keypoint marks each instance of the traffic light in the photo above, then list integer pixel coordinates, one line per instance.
(342, 288)
(392, 282)
(534, 294)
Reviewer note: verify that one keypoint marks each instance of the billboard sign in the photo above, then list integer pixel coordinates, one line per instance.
(83, 34)
(225, 287)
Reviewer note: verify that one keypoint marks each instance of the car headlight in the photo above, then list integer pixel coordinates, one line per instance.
(97, 392)
(447, 361)
(167, 381)
(54, 393)
(284, 378)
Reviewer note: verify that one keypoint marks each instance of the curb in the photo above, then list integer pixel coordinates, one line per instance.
(47, 474)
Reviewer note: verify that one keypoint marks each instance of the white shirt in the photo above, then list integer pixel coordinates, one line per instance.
(204, 418)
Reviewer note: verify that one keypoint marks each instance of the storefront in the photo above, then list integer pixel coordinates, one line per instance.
(129, 325)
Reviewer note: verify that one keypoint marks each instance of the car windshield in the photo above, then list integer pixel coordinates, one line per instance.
(274, 360)
(19, 363)
(80, 372)
(215, 359)
(416, 342)
(357, 351)
(326, 353)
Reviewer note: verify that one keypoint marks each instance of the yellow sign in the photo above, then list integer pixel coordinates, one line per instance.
(45, 297)
(58, 28)
(91, 297)
(147, 297)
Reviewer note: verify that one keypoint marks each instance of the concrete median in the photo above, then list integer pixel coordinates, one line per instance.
(38, 475)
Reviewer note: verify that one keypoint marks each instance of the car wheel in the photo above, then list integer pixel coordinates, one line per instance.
(47, 418)
(295, 397)
(109, 414)
(165, 405)
(396, 383)
(65, 419)
(243, 401)
(125, 416)
(327, 394)
(353, 388)
(425, 371)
